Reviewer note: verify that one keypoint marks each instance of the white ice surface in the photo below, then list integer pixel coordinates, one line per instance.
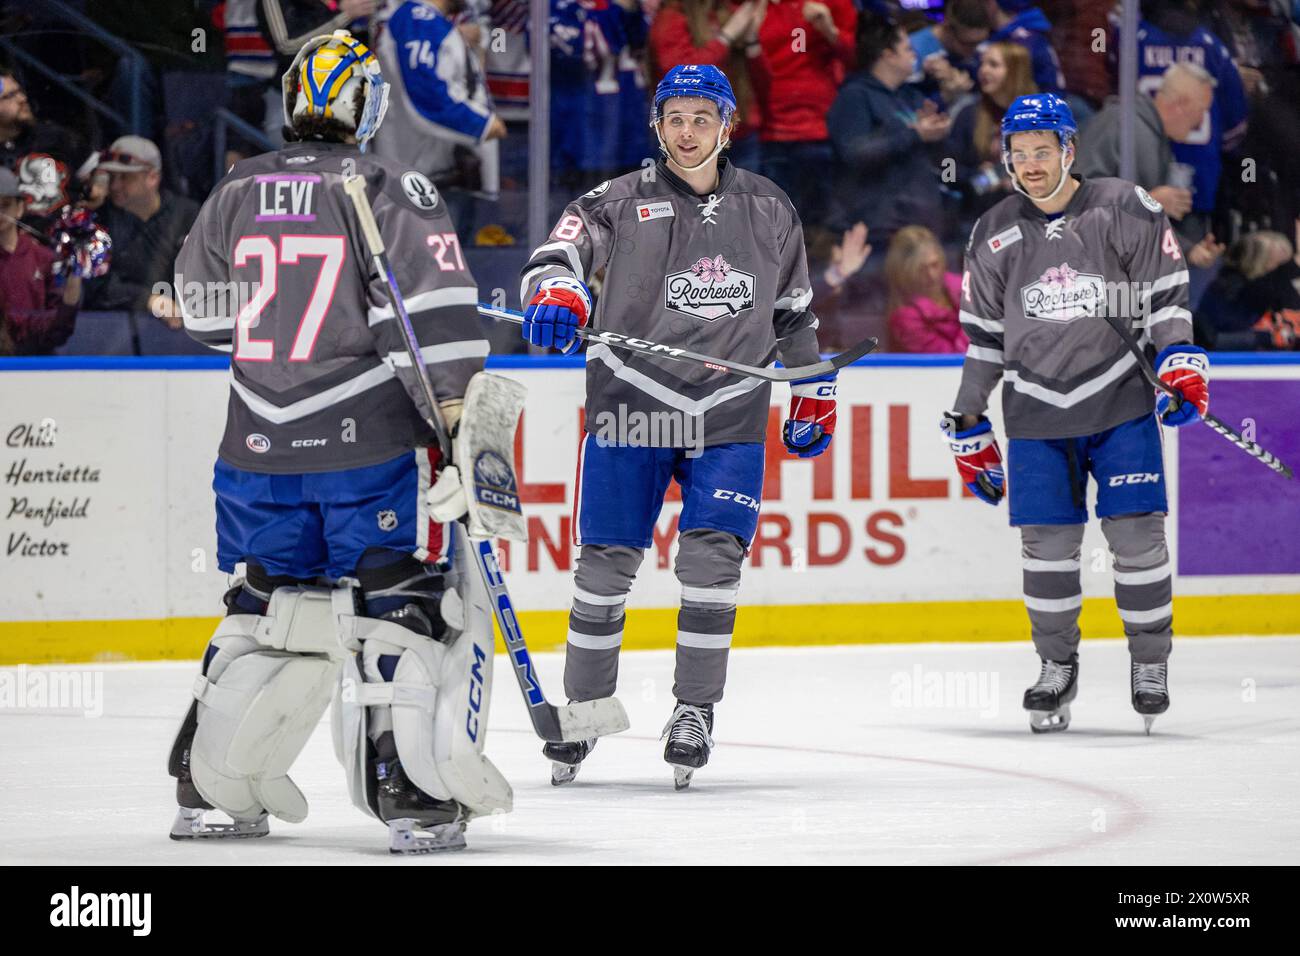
(817, 761)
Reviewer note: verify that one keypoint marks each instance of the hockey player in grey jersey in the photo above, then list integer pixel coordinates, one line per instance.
(1042, 268)
(322, 477)
(709, 257)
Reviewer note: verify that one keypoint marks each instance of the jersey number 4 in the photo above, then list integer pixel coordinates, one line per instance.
(262, 249)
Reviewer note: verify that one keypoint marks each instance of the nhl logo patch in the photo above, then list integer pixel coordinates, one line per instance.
(494, 483)
(387, 519)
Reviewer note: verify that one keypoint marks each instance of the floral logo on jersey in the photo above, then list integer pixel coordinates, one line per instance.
(387, 520)
(709, 289)
(1062, 294)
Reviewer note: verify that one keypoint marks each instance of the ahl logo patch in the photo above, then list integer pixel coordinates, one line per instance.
(1062, 294)
(258, 443)
(709, 290)
(387, 520)
(494, 483)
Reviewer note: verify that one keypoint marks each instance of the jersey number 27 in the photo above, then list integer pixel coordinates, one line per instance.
(262, 249)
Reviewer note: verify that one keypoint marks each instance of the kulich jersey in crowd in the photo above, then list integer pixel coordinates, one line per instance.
(1032, 299)
(320, 377)
(723, 274)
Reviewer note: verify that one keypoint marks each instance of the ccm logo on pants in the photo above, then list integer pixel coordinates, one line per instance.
(737, 497)
(1140, 478)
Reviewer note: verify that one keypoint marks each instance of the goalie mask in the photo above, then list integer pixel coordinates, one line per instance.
(336, 77)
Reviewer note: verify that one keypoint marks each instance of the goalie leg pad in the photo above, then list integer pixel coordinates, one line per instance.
(267, 682)
(434, 700)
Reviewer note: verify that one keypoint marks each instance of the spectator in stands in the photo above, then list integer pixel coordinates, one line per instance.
(437, 101)
(250, 72)
(887, 138)
(22, 133)
(809, 47)
(924, 297)
(1254, 301)
(844, 260)
(975, 141)
(147, 225)
(946, 55)
(1021, 22)
(38, 311)
(1170, 32)
(288, 24)
(1177, 108)
(724, 34)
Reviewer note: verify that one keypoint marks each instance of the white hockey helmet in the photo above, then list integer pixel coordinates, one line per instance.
(324, 79)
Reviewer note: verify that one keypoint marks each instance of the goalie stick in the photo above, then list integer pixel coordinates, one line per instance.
(645, 347)
(580, 721)
(1144, 366)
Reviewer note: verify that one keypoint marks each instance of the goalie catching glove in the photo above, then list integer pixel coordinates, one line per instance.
(811, 422)
(1186, 369)
(559, 307)
(979, 460)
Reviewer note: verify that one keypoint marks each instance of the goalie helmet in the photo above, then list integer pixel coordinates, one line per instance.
(81, 246)
(336, 77)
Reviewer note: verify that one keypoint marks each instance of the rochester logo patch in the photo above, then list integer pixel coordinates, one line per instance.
(494, 483)
(1063, 294)
(419, 190)
(709, 290)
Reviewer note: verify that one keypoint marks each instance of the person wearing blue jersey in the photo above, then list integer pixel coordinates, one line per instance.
(1169, 33)
(1021, 22)
(439, 97)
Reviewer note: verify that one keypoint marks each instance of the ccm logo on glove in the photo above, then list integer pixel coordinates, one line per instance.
(1185, 369)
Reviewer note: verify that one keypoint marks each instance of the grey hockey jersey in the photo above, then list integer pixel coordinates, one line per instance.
(275, 271)
(1032, 302)
(723, 274)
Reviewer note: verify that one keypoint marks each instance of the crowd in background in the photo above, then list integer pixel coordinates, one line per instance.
(879, 120)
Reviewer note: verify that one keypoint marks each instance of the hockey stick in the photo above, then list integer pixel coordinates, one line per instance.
(1176, 398)
(593, 718)
(645, 347)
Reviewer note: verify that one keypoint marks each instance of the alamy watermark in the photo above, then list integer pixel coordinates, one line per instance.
(945, 690)
(48, 689)
(658, 429)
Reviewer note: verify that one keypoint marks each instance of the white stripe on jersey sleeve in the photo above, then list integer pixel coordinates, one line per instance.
(1169, 312)
(984, 355)
(1163, 283)
(988, 325)
(796, 303)
(570, 251)
(447, 352)
(423, 301)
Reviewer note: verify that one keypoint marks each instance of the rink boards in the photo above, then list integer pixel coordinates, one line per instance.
(109, 549)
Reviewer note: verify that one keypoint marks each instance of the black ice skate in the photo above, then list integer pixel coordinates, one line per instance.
(192, 821)
(690, 738)
(417, 822)
(1150, 688)
(1048, 701)
(566, 758)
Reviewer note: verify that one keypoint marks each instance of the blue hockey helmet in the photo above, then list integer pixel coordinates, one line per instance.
(1038, 111)
(691, 79)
